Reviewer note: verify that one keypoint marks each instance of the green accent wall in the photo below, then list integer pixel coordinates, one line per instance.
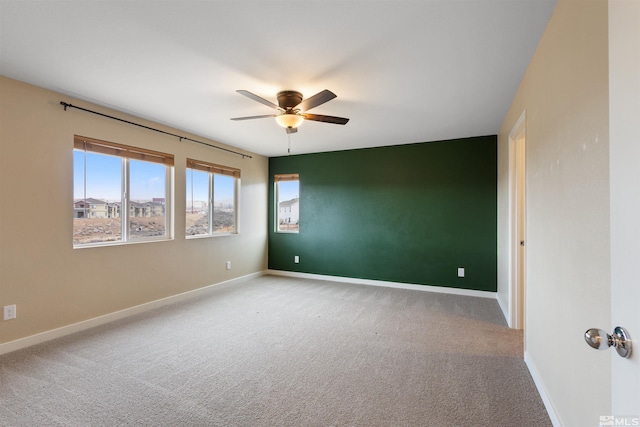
(409, 213)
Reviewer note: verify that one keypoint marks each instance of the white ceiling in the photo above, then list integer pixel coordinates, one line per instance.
(404, 71)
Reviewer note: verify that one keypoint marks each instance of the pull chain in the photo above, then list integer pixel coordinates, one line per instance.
(289, 138)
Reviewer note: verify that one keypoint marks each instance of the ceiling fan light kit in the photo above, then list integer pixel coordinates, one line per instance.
(289, 120)
(292, 108)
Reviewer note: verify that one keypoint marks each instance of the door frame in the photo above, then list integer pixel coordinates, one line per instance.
(517, 223)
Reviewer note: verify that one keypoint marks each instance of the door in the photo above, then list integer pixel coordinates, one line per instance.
(624, 118)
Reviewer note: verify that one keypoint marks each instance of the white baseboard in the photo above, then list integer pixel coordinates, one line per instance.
(117, 315)
(542, 391)
(428, 288)
(121, 314)
(505, 311)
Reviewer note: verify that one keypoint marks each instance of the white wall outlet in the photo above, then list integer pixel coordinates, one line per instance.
(296, 259)
(228, 265)
(460, 271)
(9, 312)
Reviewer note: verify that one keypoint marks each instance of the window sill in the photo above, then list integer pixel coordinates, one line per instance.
(206, 236)
(130, 242)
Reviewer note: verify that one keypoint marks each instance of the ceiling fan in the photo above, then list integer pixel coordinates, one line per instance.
(292, 109)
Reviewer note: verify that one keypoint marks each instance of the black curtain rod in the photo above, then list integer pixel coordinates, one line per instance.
(65, 105)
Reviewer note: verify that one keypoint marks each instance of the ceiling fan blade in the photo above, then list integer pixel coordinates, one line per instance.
(326, 119)
(291, 130)
(253, 117)
(259, 99)
(317, 99)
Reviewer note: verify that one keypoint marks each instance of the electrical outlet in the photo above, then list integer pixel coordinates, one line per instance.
(228, 265)
(9, 312)
(296, 259)
(460, 271)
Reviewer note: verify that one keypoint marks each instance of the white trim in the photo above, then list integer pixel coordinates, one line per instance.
(519, 123)
(42, 337)
(542, 391)
(516, 304)
(428, 288)
(117, 315)
(505, 311)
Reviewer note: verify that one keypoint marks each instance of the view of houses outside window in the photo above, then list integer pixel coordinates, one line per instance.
(288, 202)
(147, 210)
(211, 200)
(99, 196)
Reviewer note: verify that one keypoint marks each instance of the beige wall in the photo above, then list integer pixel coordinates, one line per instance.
(54, 285)
(565, 95)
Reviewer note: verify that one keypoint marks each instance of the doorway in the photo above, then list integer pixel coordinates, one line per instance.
(517, 223)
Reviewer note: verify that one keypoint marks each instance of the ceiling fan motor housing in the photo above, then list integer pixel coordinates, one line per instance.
(287, 99)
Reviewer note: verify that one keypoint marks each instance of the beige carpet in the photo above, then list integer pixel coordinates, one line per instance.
(277, 351)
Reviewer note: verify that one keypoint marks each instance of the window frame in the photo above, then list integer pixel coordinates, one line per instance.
(213, 169)
(127, 153)
(277, 179)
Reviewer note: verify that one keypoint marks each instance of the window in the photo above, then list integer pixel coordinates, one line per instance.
(287, 192)
(212, 196)
(121, 193)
